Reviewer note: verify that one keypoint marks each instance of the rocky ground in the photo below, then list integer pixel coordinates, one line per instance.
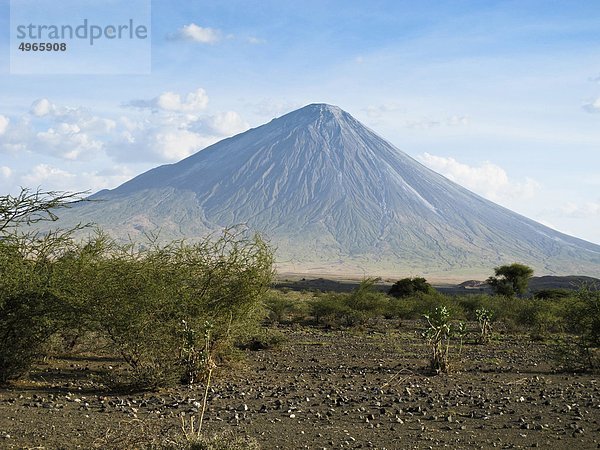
(324, 389)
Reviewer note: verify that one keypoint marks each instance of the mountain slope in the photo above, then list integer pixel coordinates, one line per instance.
(334, 196)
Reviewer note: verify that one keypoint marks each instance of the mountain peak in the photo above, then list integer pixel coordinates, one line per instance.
(332, 194)
(322, 107)
(316, 112)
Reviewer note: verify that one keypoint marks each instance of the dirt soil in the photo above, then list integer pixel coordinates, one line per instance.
(323, 390)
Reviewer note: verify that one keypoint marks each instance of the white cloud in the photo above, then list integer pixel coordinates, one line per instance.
(166, 128)
(255, 40)
(53, 178)
(196, 33)
(274, 108)
(4, 121)
(377, 111)
(593, 106)
(68, 141)
(42, 107)
(160, 138)
(194, 102)
(5, 172)
(174, 145)
(488, 180)
(60, 131)
(227, 123)
(46, 175)
(400, 115)
(581, 210)
(457, 120)
(452, 121)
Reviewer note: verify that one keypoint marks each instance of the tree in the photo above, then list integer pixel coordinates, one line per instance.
(510, 279)
(410, 286)
(29, 207)
(29, 304)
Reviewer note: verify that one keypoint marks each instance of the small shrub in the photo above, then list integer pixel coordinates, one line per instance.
(279, 308)
(356, 308)
(437, 335)
(484, 319)
(263, 339)
(579, 349)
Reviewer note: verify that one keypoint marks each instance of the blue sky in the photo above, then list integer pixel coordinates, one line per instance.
(500, 96)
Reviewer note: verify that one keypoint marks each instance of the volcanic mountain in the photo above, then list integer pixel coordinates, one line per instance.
(334, 197)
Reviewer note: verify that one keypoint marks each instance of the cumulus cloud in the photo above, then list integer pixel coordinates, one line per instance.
(42, 107)
(194, 102)
(166, 128)
(177, 131)
(273, 108)
(5, 172)
(581, 210)
(452, 121)
(174, 145)
(196, 33)
(227, 123)
(4, 121)
(488, 180)
(592, 106)
(69, 141)
(61, 131)
(255, 40)
(377, 111)
(53, 178)
(44, 175)
(402, 117)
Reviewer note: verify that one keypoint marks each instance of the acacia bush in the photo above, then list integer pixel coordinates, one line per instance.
(410, 286)
(580, 348)
(150, 302)
(153, 302)
(356, 308)
(31, 308)
(416, 305)
(285, 307)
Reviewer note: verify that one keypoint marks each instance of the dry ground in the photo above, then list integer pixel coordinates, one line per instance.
(324, 389)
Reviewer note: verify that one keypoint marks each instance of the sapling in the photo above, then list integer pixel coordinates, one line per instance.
(484, 318)
(438, 336)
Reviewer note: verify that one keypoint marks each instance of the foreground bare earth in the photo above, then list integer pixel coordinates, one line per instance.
(323, 390)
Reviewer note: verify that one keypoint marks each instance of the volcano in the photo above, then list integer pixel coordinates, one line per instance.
(332, 196)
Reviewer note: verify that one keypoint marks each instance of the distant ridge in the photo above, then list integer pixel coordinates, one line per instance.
(334, 197)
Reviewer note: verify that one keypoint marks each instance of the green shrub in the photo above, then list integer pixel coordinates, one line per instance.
(410, 286)
(579, 349)
(552, 294)
(510, 279)
(31, 307)
(484, 320)
(286, 307)
(332, 310)
(437, 335)
(419, 304)
(356, 308)
(140, 297)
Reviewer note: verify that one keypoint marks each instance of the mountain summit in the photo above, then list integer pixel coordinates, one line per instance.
(333, 196)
